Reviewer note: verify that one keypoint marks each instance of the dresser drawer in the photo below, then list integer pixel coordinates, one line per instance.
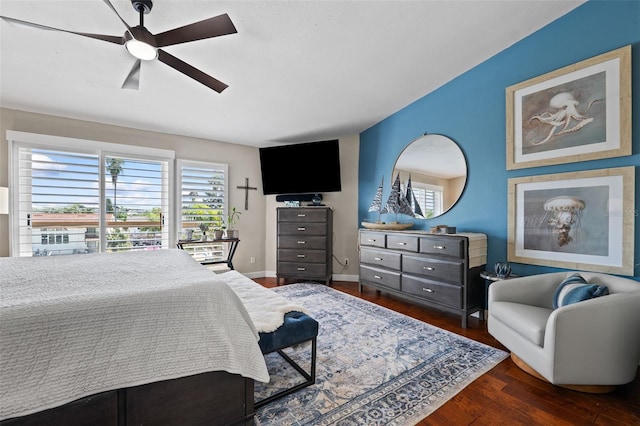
(380, 277)
(373, 239)
(302, 242)
(449, 295)
(293, 228)
(383, 258)
(453, 247)
(293, 214)
(402, 242)
(300, 269)
(302, 256)
(429, 267)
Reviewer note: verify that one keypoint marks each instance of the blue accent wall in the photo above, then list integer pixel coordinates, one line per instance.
(470, 109)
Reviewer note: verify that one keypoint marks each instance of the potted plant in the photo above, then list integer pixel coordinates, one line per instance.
(218, 231)
(232, 219)
(204, 228)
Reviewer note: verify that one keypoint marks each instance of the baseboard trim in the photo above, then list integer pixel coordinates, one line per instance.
(335, 277)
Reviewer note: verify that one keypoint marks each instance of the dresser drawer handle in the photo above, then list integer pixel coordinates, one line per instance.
(302, 228)
(402, 244)
(439, 247)
(371, 241)
(428, 268)
(302, 269)
(302, 242)
(301, 215)
(301, 256)
(377, 258)
(378, 277)
(428, 290)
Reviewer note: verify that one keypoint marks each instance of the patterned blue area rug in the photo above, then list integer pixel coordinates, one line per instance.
(374, 366)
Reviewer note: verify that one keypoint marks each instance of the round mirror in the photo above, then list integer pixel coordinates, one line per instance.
(434, 168)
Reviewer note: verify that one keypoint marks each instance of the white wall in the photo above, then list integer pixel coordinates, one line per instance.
(256, 225)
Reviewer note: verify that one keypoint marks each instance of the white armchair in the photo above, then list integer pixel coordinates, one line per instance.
(590, 346)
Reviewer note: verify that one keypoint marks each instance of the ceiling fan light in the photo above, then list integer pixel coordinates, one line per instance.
(141, 50)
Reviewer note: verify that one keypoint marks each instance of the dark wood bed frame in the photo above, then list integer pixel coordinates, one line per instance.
(214, 398)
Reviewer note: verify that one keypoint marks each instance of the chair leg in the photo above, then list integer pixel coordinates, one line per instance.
(310, 377)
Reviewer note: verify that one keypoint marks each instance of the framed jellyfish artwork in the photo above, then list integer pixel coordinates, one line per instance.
(577, 113)
(576, 220)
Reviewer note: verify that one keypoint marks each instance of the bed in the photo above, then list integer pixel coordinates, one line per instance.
(145, 337)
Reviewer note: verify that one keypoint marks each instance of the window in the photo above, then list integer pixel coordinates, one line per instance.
(202, 206)
(100, 197)
(136, 202)
(429, 197)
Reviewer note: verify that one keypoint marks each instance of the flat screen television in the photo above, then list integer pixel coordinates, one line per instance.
(305, 168)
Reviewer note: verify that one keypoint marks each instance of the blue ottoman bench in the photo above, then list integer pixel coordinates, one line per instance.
(297, 328)
(280, 324)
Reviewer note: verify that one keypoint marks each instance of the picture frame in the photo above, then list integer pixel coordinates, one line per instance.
(577, 220)
(577, 113)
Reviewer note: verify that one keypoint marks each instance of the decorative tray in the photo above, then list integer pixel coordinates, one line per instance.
(395, 226)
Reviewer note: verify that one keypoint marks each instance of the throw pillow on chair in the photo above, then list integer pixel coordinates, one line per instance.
(576, 289)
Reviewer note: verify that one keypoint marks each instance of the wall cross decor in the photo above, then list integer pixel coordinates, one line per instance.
(246, 188)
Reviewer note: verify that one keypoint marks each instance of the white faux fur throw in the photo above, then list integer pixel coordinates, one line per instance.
(266, 307)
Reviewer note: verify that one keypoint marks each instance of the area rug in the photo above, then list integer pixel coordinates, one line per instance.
(374, 366)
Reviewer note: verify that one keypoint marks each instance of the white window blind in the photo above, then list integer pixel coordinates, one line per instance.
(203, 206)
(95, 199)
(430, 199)
(58, 196)
(136, 203)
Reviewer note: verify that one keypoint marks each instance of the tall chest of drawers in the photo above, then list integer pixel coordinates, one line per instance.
(305, 244)
(437, 270)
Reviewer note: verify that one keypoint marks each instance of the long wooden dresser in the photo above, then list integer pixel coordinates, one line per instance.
(438, 270)
(305, 243)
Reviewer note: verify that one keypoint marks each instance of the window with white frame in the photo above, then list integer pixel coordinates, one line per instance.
(136, 203)
(76, 196)
(202, 206)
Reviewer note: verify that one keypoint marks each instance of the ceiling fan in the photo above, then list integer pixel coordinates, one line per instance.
(145, 46)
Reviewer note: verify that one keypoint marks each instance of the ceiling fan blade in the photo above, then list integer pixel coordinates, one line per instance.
(190, 71)
(212, 27)
(108, 3)
(133, 79)
(110, 39)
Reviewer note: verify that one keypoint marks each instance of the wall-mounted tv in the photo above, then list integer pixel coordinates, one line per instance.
(305, 168)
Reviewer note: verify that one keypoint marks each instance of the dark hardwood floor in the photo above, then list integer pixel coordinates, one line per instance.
(507, 395)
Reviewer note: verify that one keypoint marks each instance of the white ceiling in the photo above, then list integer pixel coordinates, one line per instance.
(297, 71)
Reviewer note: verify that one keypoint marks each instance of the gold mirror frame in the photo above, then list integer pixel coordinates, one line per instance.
(434, 160)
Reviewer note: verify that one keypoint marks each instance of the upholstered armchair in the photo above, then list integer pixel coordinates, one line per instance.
(591, 346)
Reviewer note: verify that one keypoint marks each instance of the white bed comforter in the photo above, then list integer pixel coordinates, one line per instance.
(72, 326)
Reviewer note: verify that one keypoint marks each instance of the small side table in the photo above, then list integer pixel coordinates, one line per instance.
(233, 244)
(491, 277)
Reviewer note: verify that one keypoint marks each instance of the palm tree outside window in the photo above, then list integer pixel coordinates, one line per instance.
(114, 166)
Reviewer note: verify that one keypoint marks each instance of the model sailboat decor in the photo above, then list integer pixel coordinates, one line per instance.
(396, 204)
(411, 198)
(376, 204)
